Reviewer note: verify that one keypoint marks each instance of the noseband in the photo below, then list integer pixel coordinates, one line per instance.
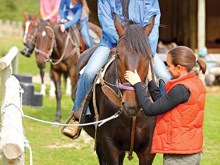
(47, 55)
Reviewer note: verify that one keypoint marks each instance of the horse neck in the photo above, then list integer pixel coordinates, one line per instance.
(61, 40)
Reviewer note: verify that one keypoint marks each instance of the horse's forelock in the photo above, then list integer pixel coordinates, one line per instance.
(136, 40)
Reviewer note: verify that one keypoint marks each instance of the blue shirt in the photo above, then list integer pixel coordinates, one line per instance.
(76, 10)
(139, 11)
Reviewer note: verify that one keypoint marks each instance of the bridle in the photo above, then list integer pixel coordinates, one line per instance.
(35, 32)
(47, 55)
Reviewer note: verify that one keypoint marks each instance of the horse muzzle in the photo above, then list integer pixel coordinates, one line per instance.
(130, 104)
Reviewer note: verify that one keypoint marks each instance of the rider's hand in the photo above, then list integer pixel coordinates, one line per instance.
(132, 77)
(62, 28)
(63, 20)
(46, 18)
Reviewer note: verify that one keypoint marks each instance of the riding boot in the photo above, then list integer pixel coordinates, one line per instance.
(71, 131)
(78, 117)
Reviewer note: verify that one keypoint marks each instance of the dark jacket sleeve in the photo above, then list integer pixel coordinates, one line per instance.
(177, 95)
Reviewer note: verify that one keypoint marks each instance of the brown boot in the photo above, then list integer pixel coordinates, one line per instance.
(71, 130)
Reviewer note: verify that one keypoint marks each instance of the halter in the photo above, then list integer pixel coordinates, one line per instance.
(47, 55)
(35, 32)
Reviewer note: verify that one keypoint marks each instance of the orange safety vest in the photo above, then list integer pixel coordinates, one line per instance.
(179, 131)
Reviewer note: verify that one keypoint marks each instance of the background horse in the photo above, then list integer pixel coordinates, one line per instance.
(30, 27)
(63, 51)
(113, 138)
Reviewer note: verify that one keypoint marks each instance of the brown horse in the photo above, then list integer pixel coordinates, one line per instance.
(30, 27)
(30, 30)
(62, 51)
(113, 138)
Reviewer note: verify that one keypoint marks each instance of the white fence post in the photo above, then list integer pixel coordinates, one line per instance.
(12, 137)
(5, 63)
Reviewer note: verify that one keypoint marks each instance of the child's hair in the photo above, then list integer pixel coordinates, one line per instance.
(182, 55)
(85, 6)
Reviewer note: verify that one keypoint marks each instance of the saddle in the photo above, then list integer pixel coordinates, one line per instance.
(82, 109)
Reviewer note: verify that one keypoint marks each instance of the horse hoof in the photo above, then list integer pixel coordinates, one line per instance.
(55, 124)
(52, 97)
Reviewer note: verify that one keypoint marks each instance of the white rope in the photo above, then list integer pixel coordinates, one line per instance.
(59, 124)
(26, 143)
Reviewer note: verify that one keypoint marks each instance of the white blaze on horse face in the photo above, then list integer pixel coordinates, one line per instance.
(26, 30)
(43, 33)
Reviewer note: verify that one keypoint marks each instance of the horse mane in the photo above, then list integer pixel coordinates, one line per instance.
(136, 39)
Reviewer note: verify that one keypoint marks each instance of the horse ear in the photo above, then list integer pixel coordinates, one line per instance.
(118, 25)
(52, 24)
(35, 16)
(148, 28)
(25, 15)
(38, 22)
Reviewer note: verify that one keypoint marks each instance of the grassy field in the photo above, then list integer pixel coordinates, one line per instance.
(49, 146)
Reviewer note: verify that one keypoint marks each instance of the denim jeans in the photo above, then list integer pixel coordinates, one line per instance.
(95, 63)
(161, 72)
(84, 31)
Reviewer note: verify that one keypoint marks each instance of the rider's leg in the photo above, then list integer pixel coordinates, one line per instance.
(159, 66)
(84, 31)
(95, 63)
(161, 72)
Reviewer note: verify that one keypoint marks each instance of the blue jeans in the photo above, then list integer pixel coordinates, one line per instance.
(161, 72)
(95, 63)
(84, 31)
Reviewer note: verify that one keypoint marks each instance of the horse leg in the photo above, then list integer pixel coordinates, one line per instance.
(145, 158)
(100, 154)
(52, 86)
(57, 81)
(121, 158)
(68, 86)
(43, 86)
(111, 152)
(73, 77)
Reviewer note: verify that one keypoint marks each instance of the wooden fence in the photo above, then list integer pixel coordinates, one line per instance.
(12, 136)
(11, 28)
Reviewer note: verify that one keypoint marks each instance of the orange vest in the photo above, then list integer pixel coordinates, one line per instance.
(179, 131)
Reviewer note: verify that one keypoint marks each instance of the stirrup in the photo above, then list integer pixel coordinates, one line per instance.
(71, 117)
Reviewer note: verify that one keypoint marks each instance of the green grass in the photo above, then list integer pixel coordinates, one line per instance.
(49, 146)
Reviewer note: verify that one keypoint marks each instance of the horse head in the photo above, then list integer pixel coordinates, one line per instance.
(30, 29)
(133, 53)
(45, 41)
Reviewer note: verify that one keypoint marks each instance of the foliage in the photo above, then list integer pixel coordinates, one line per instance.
(13, 10)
